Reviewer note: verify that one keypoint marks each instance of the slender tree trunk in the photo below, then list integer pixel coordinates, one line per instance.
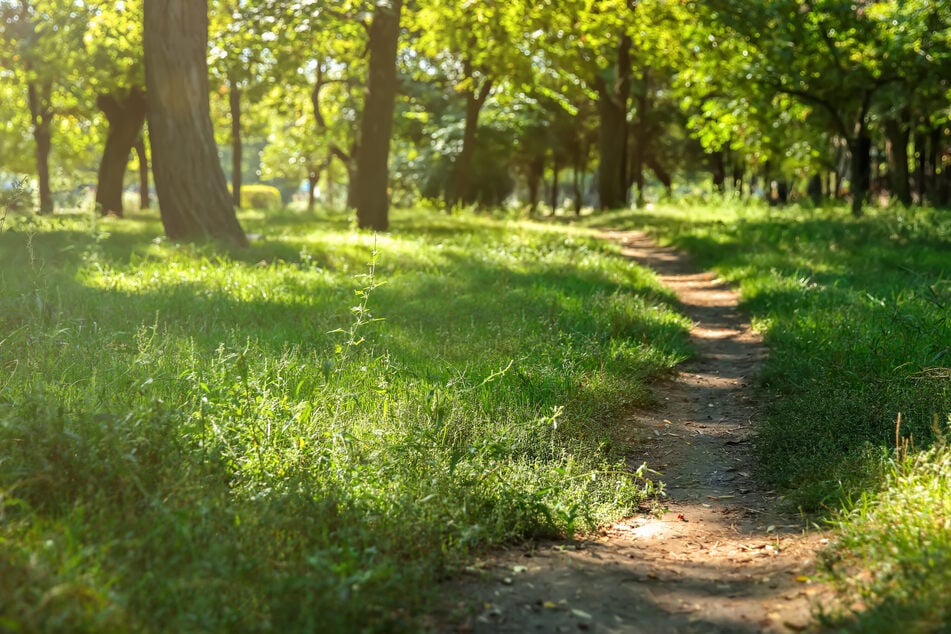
(576, 189)
(613, 98)
(555, 174)
(458, 192)
(738, 178)
(662, 175)
(533, 180)
(921, 171)
(126, 115)
(313, 176)
(718, 170)
(861, 148)
(140, 151)
(376, 127)
(41, 116)
(192, 190)
(237, 149)
(896, 151)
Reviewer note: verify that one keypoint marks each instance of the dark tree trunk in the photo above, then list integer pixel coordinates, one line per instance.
(126, 115)
(662, 175)
(861, 148)
(896, 151)
(192, 190)
(376, 126)
(458, 193)
(642, 138)
(737, 178)
(237, 149)
(718, 170)
(613, 97)
(536, 168)
(41, 116)
(576, 189)
(814, 189)
(921, 169)
(140, 151)
(555, 174)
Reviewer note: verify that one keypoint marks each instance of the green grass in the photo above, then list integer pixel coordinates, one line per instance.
(857, 316)
(303, 435)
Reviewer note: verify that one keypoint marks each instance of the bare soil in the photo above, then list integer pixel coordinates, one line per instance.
(724, 556)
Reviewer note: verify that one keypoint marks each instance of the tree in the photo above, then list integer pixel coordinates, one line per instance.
(192, 191)
(376, 127)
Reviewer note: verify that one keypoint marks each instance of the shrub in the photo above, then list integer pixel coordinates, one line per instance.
(260, 197)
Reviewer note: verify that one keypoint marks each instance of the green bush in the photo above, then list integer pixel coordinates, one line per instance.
(260, 197)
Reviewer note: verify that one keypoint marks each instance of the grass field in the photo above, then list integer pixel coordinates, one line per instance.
(304, 435)
(857, 316)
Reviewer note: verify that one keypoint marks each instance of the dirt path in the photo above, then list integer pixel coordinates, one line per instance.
(722, 558)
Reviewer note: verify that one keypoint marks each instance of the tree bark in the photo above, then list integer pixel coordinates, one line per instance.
(896, 152)
(459, 190)
(237, 149)
(613, 98)
(126, 115)
(555, 173)
(144, 196)
(376, 126)
(718, 170)
(861, 148)
(192, 190)
(41, 116)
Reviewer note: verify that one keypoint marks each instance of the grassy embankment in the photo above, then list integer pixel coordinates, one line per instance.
(857, 315)
(194, 439)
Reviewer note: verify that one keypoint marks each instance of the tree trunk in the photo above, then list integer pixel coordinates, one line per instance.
(313, 176)
(41, 116)
(662, 175)
(459, 189)
(376, 126)
(555, 174)
(921, 170)
(140, 151)
(896, 152)
(533, 178)
(576, 189)
(192, 190)
(126, 115)
(613, 100)
(718, 170)
(237, 149)
(861, 148)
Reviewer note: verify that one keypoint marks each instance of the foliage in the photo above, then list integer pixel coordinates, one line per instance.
(260, 197)
(281, 438)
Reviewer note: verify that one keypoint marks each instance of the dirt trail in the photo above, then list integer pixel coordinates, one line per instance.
(723, 558)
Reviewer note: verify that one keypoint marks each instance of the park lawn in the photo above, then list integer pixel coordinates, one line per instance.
(304, 435)
(857, 316)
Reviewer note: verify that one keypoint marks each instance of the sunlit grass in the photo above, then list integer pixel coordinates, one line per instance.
(303, 435)
(857, 315)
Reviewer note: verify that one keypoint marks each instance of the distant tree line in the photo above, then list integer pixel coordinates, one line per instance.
(469, 102)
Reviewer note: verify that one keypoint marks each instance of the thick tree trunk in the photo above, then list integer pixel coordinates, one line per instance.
(237, 149)
(126, 115)
(861, 148)
(41, 116)
(140, 151)
(376, 127)
(192, 190)
(613, 97)
(896, 152)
